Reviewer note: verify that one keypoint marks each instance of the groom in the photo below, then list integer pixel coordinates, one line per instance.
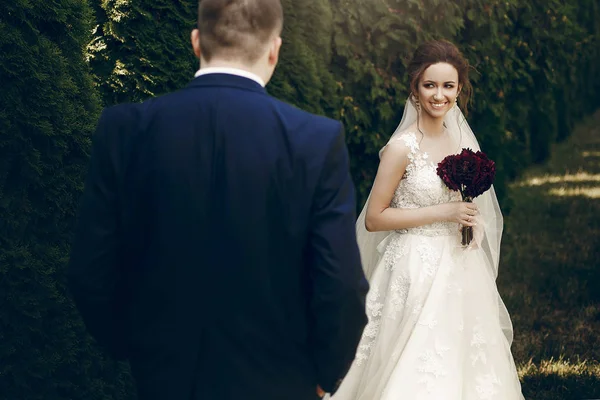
(215, 248)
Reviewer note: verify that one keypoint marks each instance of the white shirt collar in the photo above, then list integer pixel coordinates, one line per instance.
(230, 71)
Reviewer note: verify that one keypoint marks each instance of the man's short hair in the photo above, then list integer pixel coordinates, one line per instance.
(238, 30)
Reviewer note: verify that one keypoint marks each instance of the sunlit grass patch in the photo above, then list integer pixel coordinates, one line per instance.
(560, 379)
(567, 178)
(593, 193)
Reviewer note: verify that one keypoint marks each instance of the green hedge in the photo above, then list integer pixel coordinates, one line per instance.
(536, 74)
(142, 48)
(47, 110)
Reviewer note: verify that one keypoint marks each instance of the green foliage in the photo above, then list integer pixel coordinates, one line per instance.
(303, 76)
(141, 48)
(47, 110)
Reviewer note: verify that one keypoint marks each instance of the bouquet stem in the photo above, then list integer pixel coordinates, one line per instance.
(467, 231)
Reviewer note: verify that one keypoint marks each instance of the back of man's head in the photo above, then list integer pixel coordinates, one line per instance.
(238, 30)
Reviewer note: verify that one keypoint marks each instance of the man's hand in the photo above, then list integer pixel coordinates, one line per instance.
(320, 391)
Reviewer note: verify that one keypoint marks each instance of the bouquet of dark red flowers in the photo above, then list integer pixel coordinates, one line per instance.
(471, 173)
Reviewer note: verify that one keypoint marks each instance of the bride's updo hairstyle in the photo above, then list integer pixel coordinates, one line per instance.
(438, 51)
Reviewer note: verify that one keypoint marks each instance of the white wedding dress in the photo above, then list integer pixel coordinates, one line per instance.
(437, 329)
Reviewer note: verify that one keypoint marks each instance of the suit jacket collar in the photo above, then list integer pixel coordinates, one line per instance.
(227, 80)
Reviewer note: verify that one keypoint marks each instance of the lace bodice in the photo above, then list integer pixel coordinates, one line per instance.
(422, 187)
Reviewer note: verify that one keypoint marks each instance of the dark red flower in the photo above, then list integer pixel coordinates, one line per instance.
(447, 171)
(471, 173)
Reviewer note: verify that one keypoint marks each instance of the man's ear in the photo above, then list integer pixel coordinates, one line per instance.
(274, 50)
(195, 39)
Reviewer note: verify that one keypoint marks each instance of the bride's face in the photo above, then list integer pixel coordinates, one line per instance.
(438, 89)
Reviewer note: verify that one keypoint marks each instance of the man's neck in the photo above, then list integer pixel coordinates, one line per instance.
(232, 65)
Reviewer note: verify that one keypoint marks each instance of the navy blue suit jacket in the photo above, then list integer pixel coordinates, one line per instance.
(215, 247)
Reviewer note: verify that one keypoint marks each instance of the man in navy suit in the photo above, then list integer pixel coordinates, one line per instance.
(215, 248)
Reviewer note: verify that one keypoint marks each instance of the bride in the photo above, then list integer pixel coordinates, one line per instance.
(438, 328)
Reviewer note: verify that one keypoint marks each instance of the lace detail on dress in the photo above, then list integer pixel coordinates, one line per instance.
(487, 386)
(398, 295)
(394, 252)
(429, 322)
(421, 187)
(431, 366)
(374, 312)
(431, 260)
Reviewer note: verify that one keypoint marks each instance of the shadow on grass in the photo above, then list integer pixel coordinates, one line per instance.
(550, 269)
(556, 387)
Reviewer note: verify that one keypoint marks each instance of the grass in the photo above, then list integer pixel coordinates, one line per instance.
(550, 270)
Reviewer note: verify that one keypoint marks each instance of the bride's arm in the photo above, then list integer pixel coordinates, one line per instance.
(381, 217)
